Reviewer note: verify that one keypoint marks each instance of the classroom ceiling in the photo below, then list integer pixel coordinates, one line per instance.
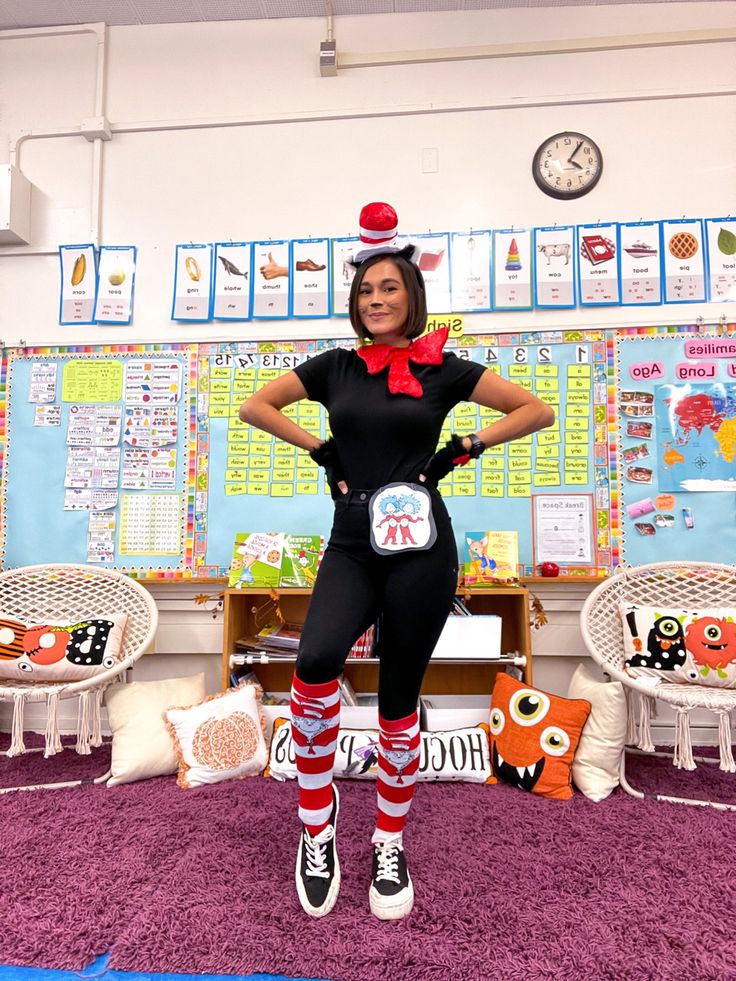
(50, 13)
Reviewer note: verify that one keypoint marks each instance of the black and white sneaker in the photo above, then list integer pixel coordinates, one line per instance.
(317, 867)
(391, 894)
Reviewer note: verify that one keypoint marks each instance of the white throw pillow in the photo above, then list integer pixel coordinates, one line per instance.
(141, 744)
(40, 651)
(595, 768)
(458, 754)
(219, 739)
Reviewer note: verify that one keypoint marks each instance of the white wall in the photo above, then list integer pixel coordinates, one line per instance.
(312, 150)
(309, 151)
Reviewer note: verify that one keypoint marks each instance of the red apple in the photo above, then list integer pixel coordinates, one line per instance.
(549, 570)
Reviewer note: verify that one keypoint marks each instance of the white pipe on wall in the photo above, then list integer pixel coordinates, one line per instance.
(505, 50)
(616, 42)
(99, 30)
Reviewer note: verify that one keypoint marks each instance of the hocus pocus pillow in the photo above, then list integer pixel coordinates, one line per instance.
(457, 755)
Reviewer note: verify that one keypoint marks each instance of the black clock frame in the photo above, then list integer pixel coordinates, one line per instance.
(561, 195)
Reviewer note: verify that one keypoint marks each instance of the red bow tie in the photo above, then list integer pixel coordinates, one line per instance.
(425, 350)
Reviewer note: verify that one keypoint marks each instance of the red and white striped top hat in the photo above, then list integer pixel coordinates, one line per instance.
(379, 224)
(379, 229)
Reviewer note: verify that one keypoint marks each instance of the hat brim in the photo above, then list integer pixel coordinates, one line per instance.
(407, 250)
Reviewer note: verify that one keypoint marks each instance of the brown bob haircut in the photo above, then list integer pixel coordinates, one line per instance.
(416, 320)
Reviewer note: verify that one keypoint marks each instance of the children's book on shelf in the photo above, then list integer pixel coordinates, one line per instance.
(491, 557)
(364, 645)
(272, 559)
(281, 639)
(256, 560)
(300, 559)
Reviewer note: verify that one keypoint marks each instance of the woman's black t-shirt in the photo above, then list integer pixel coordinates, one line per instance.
(382, 437)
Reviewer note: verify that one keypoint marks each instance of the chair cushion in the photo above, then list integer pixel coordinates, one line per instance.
(681, 646)
(596, 766)
(221, 738)
(455, 755)
(45, 651)
(534, 736)
(141, 744)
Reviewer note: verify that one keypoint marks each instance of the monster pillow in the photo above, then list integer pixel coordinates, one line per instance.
(534, 736)
(47, 651)
(681, 646)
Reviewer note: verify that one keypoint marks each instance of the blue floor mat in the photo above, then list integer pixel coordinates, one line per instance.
(99, 972)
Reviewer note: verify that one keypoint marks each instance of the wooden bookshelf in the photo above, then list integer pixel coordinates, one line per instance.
(246, 610)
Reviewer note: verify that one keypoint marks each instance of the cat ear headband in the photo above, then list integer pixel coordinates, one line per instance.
(379, 226)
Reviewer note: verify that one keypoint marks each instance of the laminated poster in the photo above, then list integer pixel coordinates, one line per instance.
(271, 281)
(310, 272)
(233, 276)
(512, 269)
(720, 234)
(115, 284)
(342, 273)
(640, 260)
(78, 284)
(563, 528)
(470, 268)
(684, 261)
(192, 282)
(150, 524)
(42, 388)
(434, 264)
(598, 272)
(554, 280)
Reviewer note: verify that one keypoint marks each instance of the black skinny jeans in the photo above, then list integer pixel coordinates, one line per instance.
(413, 591)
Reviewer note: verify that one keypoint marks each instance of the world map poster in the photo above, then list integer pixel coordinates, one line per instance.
(696, 436)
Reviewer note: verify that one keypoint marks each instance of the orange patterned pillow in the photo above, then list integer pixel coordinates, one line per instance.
(219, 739)
(534, 736)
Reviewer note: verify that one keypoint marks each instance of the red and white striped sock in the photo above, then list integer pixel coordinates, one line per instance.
(315, 718)
(398, 762)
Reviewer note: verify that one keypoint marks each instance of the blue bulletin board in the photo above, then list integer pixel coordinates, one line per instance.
(96, 464)
(164, 475)
(247, 481)
(676, 444)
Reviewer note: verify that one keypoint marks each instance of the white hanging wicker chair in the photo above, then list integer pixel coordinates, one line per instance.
(72, 593)
(686, 586)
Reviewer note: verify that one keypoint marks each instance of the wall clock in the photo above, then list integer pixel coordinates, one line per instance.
(567, 165)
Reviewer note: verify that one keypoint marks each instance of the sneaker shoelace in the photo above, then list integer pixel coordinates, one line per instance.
(316, 846)
(388, 862)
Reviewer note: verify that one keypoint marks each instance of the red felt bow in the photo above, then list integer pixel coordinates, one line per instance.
(425, 350)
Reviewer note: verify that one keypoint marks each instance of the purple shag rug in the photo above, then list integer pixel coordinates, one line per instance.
(508, 885)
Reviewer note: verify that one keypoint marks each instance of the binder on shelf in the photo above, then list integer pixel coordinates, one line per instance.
(469, 637)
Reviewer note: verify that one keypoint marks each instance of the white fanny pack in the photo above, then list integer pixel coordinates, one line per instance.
(401, 519)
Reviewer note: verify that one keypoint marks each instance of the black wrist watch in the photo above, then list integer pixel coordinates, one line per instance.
(477, 446)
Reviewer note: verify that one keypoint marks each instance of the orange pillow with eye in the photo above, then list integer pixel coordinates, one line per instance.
(534, 736)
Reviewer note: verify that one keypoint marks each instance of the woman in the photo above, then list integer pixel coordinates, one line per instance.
(391, 551)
